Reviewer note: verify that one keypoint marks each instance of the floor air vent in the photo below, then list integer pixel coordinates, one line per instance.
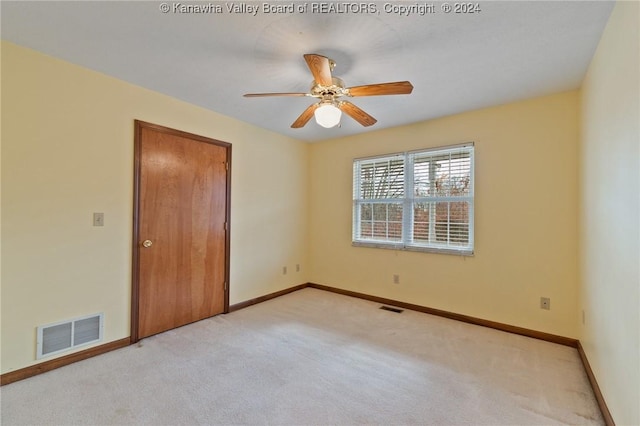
(389, 308)
(65, 335)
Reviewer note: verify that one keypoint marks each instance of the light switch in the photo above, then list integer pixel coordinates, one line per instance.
(98, 219)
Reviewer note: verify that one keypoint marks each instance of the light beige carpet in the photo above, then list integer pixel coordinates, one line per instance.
(315, 358)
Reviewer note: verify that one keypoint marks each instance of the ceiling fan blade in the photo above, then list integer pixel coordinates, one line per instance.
(305, 116)
(357, 113)
(261, 95)
(395, 88)
(320, 67)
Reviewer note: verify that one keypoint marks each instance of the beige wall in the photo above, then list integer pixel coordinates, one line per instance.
(610, 214)
(525, 218)
(67, 151)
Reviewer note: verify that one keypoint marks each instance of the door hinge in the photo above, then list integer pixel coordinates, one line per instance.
(225, 226)
(226, 165)
(225, 286)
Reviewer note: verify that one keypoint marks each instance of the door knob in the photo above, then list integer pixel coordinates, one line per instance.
(147, 243)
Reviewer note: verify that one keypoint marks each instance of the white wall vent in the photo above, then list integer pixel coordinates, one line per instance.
(64, 335)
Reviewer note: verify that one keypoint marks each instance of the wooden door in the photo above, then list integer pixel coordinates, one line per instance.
(181, 232)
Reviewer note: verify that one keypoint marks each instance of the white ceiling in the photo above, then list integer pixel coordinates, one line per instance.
(456, 62)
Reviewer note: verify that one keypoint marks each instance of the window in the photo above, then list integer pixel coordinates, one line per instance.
(419, 200)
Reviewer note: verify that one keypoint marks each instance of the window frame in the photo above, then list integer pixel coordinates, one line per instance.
(408, 201)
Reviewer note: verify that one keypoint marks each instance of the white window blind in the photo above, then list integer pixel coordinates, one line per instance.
(419, 200)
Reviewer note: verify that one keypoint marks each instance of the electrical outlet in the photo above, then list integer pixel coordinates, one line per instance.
(297, 267)
(545, 303)
(284, 270)
(98, 219)
(396, 279)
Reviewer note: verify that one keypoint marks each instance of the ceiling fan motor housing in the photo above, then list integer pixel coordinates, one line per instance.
(335, 90)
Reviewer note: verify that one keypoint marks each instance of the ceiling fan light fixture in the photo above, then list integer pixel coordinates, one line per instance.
(327, 115)
(328, 89)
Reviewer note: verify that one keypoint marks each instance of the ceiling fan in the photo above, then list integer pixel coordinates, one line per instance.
(329, 89)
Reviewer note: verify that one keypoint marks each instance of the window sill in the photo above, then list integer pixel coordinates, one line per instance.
(436, 250)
